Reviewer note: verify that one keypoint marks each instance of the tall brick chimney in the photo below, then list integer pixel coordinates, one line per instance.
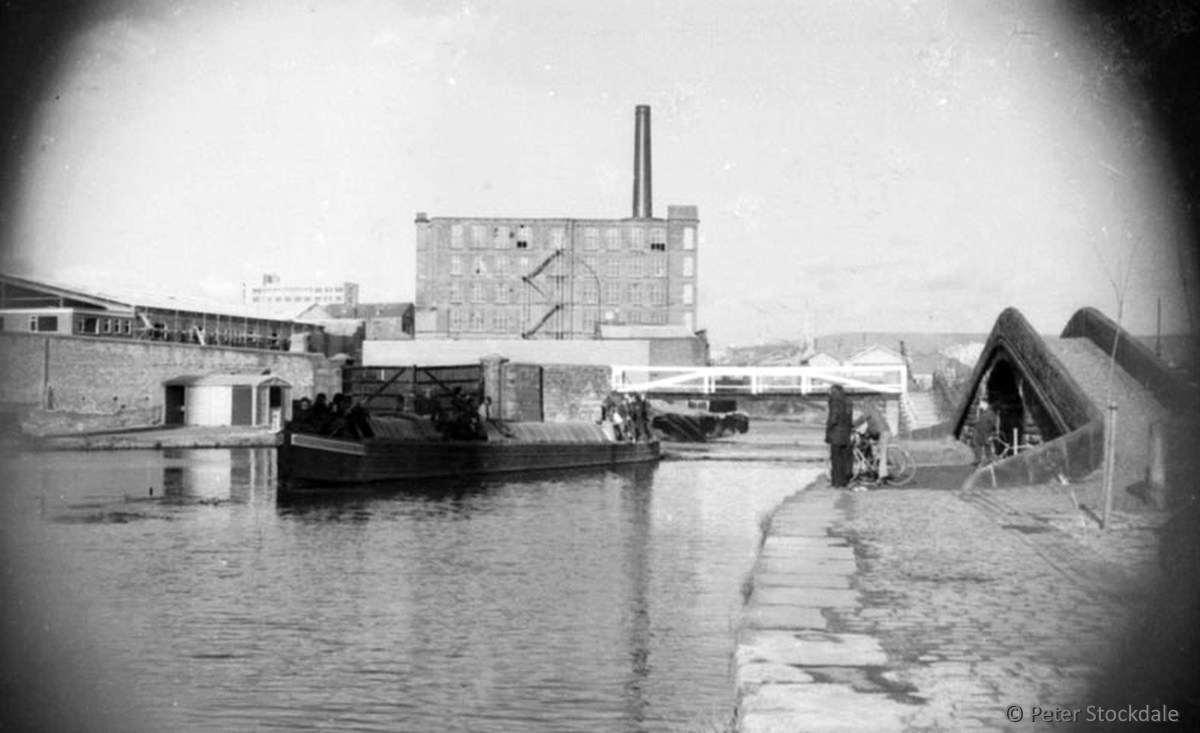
(642, 207)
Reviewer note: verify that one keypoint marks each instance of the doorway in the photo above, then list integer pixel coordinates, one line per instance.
(176, 401)
(243, 405)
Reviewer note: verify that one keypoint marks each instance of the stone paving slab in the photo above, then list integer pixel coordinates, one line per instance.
(803, 579)
(786, 532)
(820, 708)
(812, 552)
(802, 517)
(789, 525)
(807, 597)
(753, 675)
(842, 562)
(761, 616)
(811, 648)
(937, 610)
(795, 543)
(798, 513)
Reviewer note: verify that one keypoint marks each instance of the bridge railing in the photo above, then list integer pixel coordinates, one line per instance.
(760, 381)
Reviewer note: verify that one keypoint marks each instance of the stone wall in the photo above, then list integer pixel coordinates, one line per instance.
(23, 369)
(1135, 358)
(99, 376)
(435, 352)
(1071, 456)
(679, 352)
(574, 392)
(520, 392)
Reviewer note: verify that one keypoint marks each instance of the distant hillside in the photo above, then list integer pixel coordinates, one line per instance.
(926, 350)
(921, 347)
(916, 343)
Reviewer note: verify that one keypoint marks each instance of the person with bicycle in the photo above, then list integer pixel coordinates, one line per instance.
(874, 427)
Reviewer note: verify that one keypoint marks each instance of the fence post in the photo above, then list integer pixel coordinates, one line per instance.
(1110, 449)
(1156, 466)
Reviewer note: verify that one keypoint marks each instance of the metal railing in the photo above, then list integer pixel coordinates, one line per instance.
(760, 381)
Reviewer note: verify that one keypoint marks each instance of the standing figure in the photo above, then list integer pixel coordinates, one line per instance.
(318, 414)
(358, 420)
(641, 418)
(625, 419)
(983, 436)
(608, 407)
(876, 428)
(335, 424)
(837, 434)
(301, 415)
(321, 416)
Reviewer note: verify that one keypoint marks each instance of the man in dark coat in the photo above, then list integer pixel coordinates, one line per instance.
(837, 434)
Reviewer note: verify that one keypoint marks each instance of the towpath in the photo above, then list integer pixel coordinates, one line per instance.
(929, 609)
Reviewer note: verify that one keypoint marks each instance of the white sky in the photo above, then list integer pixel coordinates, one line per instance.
(884, 166)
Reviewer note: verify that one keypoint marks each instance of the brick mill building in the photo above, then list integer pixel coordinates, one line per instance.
(560, 278)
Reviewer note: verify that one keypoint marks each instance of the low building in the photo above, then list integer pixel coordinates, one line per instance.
(40, 306)
(227, 399)
(668, 345)
(875, 355)
(278, 298)
(345, 327)
(822, 359)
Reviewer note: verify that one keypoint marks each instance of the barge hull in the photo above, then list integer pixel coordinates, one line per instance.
(322, 460)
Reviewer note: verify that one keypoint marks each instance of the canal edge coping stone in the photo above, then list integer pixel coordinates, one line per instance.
(783, 639)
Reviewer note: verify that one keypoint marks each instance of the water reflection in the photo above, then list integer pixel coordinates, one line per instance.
(454, 494)
(218, 474)
(124, 486)
(598, 601)
(636, 500)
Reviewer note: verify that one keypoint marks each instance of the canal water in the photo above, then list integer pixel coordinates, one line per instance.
(153, 590)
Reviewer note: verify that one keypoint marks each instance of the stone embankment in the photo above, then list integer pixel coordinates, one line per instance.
(158, 438)
(795, 671)
(934, 609)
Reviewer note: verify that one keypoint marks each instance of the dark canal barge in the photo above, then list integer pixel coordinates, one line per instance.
(413, 447)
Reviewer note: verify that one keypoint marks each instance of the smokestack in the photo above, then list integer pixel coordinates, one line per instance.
(642, 208)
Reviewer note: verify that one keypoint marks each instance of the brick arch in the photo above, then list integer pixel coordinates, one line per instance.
(1033, 391)
(1016, 358)
(1052, 401)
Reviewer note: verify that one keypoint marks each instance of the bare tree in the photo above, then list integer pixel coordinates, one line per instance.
(1119, 280)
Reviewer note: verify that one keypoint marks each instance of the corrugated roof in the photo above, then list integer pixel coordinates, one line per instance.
(64, 291)
(159, 301)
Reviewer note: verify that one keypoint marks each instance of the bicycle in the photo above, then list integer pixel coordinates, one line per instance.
(1002, 448)
(900, 464)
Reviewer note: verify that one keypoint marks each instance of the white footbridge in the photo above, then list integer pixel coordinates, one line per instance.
(761, 382)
